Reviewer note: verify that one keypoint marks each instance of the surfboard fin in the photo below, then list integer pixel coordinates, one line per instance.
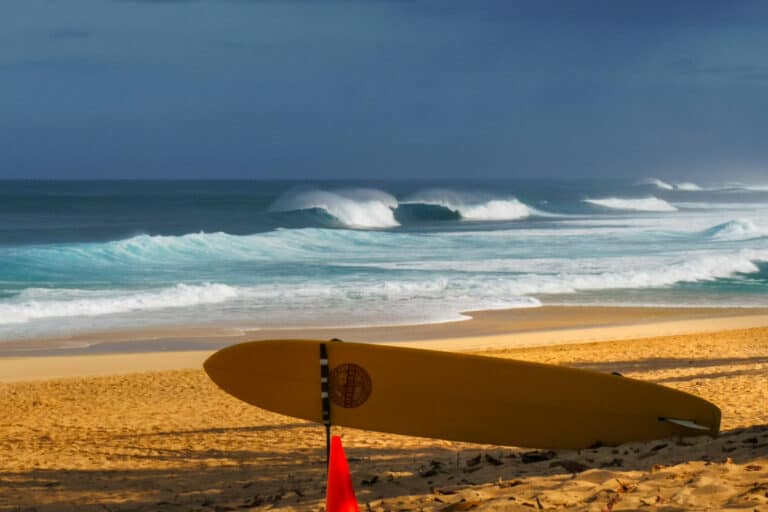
(685, 423)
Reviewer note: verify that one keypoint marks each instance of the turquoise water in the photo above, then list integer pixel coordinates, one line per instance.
(91, 256)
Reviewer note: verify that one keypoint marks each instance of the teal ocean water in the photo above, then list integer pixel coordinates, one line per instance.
(77, 257)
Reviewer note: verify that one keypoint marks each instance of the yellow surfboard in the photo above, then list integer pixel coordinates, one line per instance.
(453, 396)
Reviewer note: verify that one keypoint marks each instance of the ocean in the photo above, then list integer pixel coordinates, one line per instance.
(91, 256)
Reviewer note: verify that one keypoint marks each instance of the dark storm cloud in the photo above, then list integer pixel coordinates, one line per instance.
(175, 88)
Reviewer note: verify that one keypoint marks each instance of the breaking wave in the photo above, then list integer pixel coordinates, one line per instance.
(371, 209)
(353, 208)
(395, 294)
(663, 185)
(745, 187)
(345, 275)
(688, 186)
(690, 270)
(736, 230)
(39, 303)
(472, 206)
(556, 275)
(645, 204)
(161, 251)
(685, 186)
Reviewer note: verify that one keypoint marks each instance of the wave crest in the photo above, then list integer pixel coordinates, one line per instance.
(472, 206)
(41, 303)
(745, 187)
(354, 208)
(644, 204)
(663, 185)
(736, 230)
(687, 186)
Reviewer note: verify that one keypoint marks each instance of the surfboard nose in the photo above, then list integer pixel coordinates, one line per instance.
(278, 375)
(224, 366)
(217, 363)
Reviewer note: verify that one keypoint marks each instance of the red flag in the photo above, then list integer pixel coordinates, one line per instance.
(339, 496)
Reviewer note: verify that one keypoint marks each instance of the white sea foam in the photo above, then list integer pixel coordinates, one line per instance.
(661, 273)
(707, 206)
(757, 188)
(41, 303)
(418, 290)
(737, 187)
(373, 297)
(509, 209)
(473, 206)
(355, 208)
(572, 276)
(180, 253)
(663, 185)
(566, 275)
(155, 250)
(644, 204)
(736, 230)
(190, 247)
(688, 187)
(498, 283)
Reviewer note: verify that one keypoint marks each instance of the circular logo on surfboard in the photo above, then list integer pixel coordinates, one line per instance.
(349, 385)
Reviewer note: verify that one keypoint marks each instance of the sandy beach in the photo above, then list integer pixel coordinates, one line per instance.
(149, 431)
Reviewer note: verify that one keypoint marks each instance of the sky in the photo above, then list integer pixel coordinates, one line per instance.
(383, 89)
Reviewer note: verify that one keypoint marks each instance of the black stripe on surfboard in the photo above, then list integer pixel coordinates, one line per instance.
(324, 398)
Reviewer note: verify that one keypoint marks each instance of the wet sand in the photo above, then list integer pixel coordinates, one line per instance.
(177, 347)
(147, 435)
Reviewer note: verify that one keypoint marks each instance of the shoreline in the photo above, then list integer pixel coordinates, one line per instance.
(485, 331)
(477, 323)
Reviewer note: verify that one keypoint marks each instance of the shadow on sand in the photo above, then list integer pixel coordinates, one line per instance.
(219, 480)
(657, 364)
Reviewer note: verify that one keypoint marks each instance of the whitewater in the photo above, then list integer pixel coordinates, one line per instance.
(99, 256)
